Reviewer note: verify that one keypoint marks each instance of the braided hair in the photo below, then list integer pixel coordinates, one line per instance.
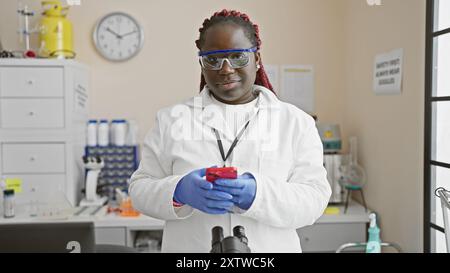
(251, 31)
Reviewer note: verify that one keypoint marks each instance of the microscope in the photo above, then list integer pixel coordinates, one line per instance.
(93, 165)
(231, 244)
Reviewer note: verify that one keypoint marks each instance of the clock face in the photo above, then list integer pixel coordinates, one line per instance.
(118, 36)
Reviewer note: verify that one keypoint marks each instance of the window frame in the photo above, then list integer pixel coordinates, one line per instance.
(431, 34)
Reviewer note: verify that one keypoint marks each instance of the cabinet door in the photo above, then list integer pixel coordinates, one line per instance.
(329, 237)
(111, 235)
(33, 158)
(47, 187)
(31, 82)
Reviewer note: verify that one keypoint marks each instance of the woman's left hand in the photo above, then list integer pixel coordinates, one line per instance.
(243, 189)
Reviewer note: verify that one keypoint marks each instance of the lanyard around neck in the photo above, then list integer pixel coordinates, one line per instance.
(236, 140)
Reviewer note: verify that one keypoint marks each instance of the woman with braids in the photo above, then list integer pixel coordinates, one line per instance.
(235, 121)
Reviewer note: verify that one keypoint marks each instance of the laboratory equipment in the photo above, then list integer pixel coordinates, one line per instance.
(444, 196)
(332, 163)
(8, 203)
(236, 58)
(97, 211)
(120, 163)
(6, 54)
(103, 133)
(94, 165)
(126, 208)
(92, 133)
(119, 132)
(120, 195)
(364, 245)
(132, 134)
(374, 242)
(330, 135)
(353, 176)
(231, 244)
(55, 31)
(24, 29)
(33, 204)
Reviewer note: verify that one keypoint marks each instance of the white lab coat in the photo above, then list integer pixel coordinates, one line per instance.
(281, 148)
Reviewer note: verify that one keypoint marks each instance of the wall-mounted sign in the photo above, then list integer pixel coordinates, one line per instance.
(387, 72)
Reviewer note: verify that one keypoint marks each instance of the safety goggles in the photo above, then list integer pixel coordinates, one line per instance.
(236, 58)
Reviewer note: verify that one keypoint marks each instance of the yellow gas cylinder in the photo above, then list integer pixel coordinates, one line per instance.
(55, 31)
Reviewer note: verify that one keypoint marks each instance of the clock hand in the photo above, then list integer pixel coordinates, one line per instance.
(115, 34)
(129, 33)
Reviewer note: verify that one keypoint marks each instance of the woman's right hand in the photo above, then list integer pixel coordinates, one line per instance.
(198, 193)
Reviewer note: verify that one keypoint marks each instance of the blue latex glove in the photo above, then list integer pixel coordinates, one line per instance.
(243, 189)
(198, 193)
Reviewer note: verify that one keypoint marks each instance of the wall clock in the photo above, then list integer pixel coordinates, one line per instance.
(118, 36)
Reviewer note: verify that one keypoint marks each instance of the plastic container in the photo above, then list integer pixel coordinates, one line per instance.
(103, 133)
(374, 242)
(132, 133)
(119, 130)
(112, 130)
(8, 203)
(92, 133)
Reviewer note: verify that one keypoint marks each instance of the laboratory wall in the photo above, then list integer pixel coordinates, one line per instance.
(389, 128)
(167, 69)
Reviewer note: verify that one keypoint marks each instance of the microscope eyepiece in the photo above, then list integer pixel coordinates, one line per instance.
(239, 232)
(217, 235)
(231, 244)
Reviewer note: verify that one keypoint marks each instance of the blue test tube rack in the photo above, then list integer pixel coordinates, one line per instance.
(120, 164)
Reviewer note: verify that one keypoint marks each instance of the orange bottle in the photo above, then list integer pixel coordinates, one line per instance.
(127, 210)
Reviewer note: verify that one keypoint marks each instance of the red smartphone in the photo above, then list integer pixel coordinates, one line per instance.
(226, 172)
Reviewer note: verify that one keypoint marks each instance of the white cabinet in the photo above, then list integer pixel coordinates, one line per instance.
(329, 237)
(333, 230)
(43, 113)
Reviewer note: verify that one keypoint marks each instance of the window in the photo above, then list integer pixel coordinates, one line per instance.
(437, 121)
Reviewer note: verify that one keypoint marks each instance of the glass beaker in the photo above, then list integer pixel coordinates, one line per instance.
(126, 208)
(33, 204)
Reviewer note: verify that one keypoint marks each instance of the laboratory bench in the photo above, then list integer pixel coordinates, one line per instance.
(331, 230)
(110, 228)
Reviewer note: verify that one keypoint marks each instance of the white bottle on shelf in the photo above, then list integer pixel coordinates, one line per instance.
(92, 133)
(103, 133)
(120, 132)
(112, 132)
(132, 133)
